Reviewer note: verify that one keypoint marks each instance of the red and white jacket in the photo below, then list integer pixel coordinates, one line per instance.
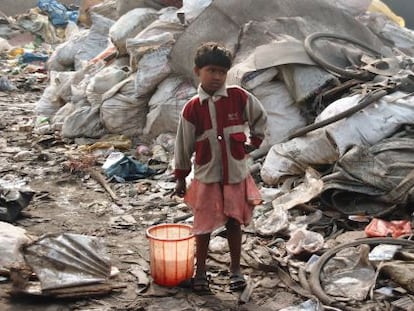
(214, 128)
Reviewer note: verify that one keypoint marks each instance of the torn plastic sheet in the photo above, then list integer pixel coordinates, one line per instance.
(350, 274)
(276, 220)
(232, 15)
(68, 260)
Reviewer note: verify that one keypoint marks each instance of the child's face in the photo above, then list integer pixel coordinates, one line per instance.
(212, 77)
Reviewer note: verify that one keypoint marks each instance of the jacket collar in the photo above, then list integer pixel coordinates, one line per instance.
(222, 92)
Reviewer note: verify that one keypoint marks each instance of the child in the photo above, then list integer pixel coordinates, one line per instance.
(212, 125)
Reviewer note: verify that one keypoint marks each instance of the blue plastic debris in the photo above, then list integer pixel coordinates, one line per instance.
(57, 12)
(127, 169)
(29, 57)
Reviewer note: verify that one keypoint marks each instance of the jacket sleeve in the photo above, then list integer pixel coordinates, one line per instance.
(184, 147)
(257, 119)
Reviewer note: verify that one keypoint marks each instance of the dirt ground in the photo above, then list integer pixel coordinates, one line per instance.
(75, 202)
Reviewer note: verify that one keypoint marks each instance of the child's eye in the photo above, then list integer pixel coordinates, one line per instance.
(215, 71)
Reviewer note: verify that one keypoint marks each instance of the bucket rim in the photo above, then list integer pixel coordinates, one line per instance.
(152, 237)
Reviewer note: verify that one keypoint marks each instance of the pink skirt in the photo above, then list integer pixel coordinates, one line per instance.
(213, 204)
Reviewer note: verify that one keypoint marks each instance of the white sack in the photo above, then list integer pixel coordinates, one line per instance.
(62, 113)
(253, 79)
(11, 239)
(121, 111)
(65, 86)
(401, 37)
(137, 47)
(304, 81)
(293, 157)
(192, 8)
(95, 42)
(367, 127)
(78, 88)
(82, 46)
(129, 25)
(166, 104)
(63, 80)
(63, 57)
(71, 30)
(324, 146)
(81, 80)
(283, 114)
(103, 81)
(169, 14)
(124, 6)
(107, 8)
(83, 122)
(160, 32)
(153, 67)
(50, 102)
(157, 28)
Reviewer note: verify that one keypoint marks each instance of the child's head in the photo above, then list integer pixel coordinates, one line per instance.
(212, 61)
(212, 53)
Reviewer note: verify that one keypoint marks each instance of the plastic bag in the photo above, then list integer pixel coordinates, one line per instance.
(29, 57)
(303, 240)
(382, 228)
(349, 274)
(127, 169)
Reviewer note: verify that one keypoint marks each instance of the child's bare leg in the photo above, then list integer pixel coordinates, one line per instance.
(234, 237)
(202, 242)
(200, 282)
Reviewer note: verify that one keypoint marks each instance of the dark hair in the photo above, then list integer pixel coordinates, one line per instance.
(212, 53)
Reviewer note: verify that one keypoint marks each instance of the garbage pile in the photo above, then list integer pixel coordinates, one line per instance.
(336, 78)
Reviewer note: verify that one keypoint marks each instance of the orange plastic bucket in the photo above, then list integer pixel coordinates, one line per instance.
(171, 253)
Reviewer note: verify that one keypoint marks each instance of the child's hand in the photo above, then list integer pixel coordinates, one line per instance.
(180, 188)
(249, 148)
